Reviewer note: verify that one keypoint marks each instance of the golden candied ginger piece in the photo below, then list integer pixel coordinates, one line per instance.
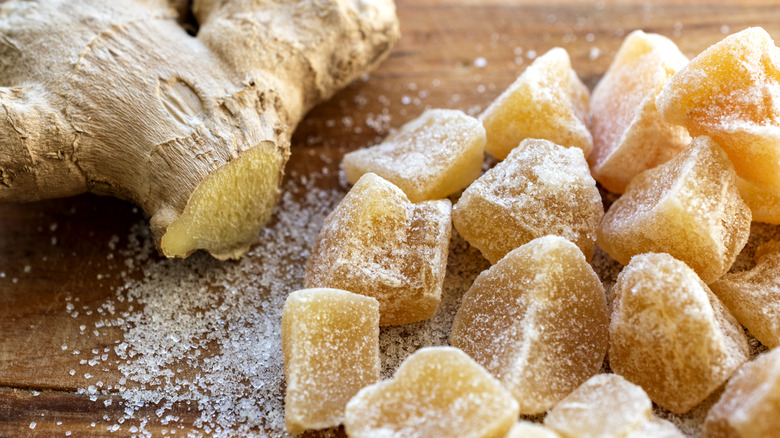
(688, 207)
(377, 243)
(541, 188)
(764, 204)
(608, 406)
(436, 392)
(629, 135)
(330, 344)
(547, 101)
(669, 333)
(537, 321)
(438, 154)
(731, 92)
(750, 405)
(526, 429)
(753, 296)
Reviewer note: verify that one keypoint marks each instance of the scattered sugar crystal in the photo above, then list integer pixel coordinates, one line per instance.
(480, 62)
(670, 334)
(753, 296)
(629, 135)
(608, 406)
(688, 207)
(730, 93)
(330, 340)
(537, 321)
(377, 243)
(32, 425)
(750, 405)
(436, 392)
(539, 189)
(431, 157)
(547, 101)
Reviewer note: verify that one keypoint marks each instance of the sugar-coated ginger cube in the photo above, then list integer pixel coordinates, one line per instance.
(670, 334)
(436, 392)
(730, 93)
(750, 405)
(526, 429)
(753, 296)
(541, 188)
(629, 135)
(547, 101)
(377, 243)
(438, 154)
(764, 204)
(537, 321)
(688, 207)
(330, 345)
(608, 406)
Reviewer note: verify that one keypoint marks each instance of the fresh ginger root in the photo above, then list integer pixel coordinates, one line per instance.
(115, 98)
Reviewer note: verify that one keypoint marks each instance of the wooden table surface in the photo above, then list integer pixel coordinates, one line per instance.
(452, 54)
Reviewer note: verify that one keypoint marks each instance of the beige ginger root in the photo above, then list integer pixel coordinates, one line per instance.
(116, 98)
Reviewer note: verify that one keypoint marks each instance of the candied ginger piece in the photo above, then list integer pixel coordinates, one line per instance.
(438, 154)
(537, 321)
(547, 101)
(669, 333)
(750, 405)
(377, 243)
(330, 345)
(629, 135)
(764, 204)
(731, 92)
(688, 207)
(608, 406)
(753, 296)
(541, 188)
(436, 392)
(526, 429)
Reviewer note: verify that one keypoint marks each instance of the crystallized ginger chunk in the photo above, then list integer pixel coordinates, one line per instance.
(688, 207)
(608, 406)
(377, 243)
(629, 135)
(764, 204)
(753, 296)
(750, 405)
(330, 344)
(438, 154)
(526, 429)
(669, 333)
(436, 392)
(537, 321)
(547, 101)
(541, 188)
(731, 92)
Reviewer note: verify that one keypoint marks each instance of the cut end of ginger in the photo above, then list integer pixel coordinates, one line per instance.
(227, 210)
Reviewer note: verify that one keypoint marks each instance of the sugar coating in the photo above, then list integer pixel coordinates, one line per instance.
(537, 321)
(526, 429)
(541, 188)
(330, 343)
(377, 243)
(764, 204)
(753, 296)
(750, 405)
(688, 207)
(608, 406)
(547, 101)
(433, 156)
(670, 334)
(436, 392)
(731, 92)
(629, 135)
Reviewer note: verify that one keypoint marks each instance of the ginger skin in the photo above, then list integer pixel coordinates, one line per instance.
(115, 98)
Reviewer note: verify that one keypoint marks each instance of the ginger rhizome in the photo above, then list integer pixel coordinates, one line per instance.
(116, 98)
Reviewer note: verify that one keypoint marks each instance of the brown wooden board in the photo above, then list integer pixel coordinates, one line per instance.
(62, 253)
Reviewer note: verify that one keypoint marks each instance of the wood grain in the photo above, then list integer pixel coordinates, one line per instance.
(55, 251)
